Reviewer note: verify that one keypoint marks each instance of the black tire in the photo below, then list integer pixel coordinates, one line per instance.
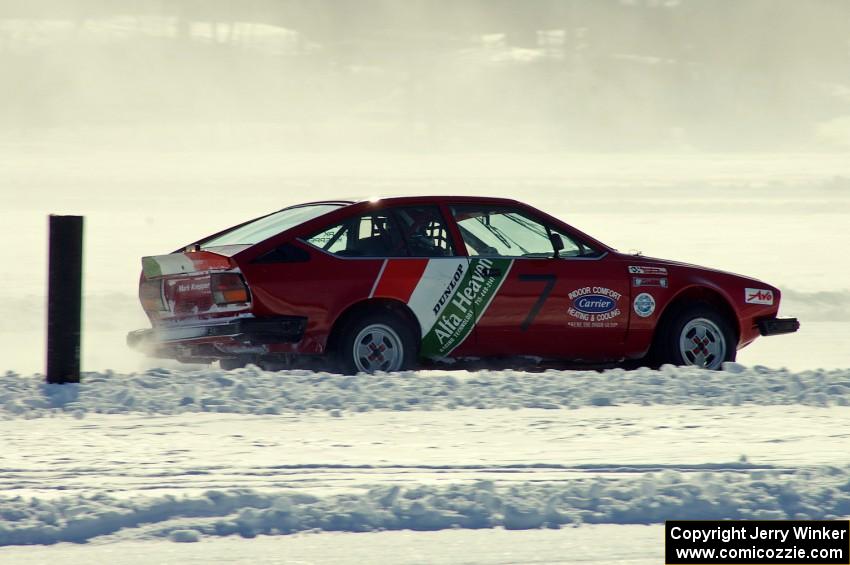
(694, 335)
(231, 363)
(390, 337)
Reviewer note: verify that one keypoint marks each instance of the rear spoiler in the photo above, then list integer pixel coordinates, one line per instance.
(184, 263)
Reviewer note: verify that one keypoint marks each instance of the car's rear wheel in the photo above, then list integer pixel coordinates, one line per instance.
(695, 336)
(376, 342)
(232, 363)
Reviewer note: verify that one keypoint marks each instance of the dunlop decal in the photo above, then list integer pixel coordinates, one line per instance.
(462, 303)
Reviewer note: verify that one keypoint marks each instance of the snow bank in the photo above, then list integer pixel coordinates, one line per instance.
(822, 306)
(253, 391)
(818, 493)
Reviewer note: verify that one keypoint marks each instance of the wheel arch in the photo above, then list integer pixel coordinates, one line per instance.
(368, 306)
(700, 294)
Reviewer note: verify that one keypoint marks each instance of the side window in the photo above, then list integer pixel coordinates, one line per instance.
(370, 235)
(333, 239)
(506, 232)
(571, 247)
(424, 231)
(501, 232)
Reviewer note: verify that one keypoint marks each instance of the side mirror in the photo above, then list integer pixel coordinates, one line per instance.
(557, 243)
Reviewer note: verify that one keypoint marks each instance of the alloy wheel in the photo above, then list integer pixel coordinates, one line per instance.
(378, 348)
(702, 344)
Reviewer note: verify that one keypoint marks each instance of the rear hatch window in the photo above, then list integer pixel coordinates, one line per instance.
(267, 226)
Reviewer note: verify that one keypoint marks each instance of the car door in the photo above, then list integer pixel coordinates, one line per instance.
(420, 268)
(570, 304)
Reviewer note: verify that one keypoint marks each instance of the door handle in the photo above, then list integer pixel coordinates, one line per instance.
(492, 272)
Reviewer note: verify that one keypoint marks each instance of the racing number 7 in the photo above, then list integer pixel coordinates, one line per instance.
(547, 290)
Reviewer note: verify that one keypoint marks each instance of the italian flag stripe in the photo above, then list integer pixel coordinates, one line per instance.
(447, 295)
(183, 263)
(399, 278)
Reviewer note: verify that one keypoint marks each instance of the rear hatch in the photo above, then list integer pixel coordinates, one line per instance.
(192, 285)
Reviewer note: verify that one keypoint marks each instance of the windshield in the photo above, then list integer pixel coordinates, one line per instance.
(273, 224)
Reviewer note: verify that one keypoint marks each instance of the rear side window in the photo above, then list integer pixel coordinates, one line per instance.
(424, 231)
(273, 224)
(417, 231)
(370, 235)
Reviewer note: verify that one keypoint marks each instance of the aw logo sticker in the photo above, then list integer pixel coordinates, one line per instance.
(594, 307)
(758, 296)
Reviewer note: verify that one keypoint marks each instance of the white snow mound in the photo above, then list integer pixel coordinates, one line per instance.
(254, 391)
(817, 493)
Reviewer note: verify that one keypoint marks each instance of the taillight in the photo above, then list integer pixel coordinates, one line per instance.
(228, 288)
(150, 294)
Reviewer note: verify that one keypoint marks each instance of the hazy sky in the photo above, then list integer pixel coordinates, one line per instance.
(429, 75)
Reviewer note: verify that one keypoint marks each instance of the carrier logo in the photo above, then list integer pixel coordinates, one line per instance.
(594, 304)
(758, 296)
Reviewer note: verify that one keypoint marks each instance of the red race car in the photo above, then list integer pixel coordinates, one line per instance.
(379, 285)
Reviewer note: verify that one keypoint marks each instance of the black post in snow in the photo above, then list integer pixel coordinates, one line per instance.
(64, 299)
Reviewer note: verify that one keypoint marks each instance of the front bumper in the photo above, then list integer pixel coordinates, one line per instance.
(244, 331)
(778, 326)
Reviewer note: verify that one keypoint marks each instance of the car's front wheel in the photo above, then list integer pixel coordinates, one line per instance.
(696, 336)
(376, 342)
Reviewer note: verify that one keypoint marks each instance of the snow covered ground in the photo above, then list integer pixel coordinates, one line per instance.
(172, 456)
(427, 467)
(637, 545)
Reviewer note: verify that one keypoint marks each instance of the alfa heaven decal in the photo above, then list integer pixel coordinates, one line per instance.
(448, 296)
(469, 300)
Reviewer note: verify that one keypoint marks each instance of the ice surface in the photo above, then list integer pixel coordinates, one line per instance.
(319, 453)
(636, 545)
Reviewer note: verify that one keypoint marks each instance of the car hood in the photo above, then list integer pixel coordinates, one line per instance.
(644, 260)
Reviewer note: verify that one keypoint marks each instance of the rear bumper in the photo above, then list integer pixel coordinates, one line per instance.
(242, 332)
(777, 326)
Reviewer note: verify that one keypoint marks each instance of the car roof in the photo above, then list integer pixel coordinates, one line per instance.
(427, 199)
(358, 205)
